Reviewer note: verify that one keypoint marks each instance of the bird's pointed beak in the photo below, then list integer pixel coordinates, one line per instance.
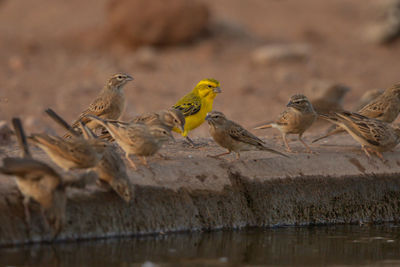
(290, 104)
(129, 78)
(217, 90)
(208, 117)
(182, 128)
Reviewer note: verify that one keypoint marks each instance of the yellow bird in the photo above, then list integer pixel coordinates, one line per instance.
(197, 104)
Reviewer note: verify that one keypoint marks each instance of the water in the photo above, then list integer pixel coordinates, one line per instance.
(377, 245)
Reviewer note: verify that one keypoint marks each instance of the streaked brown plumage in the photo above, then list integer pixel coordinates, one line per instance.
(367, 97)
(38, 181)
(234, 137)
(74, 153)
(296, 119)
(138, 139)
(109, 104)
(169, 118)
(385, 107)
(374, 135)
(111, 168)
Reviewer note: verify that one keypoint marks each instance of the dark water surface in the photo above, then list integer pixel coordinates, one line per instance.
(377, 245)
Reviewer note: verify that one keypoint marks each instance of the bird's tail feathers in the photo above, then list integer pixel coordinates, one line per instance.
(21, 137)
(265, 126)
(57, 118)
(264, 148)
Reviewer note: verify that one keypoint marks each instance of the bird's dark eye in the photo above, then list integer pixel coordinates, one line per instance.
(119, 77)
(209, 86)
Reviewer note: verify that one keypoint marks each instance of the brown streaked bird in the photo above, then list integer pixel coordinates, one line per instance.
(111, 168)
(374, 135)
(169, 118)
(38, 181)
(73, 153)
(109, 104)
(69, 154)
(138, 139)
(296, 119)
(326, 96)
(233, 136)
(367, 97)
(385, 107)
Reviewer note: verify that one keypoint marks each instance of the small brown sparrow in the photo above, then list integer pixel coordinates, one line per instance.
(110, 168)
(109, 104)
(138, 139)
(374, 135)
(234, 137)
(169, 118)
(38, 181)
(296, 119)
(385, 107)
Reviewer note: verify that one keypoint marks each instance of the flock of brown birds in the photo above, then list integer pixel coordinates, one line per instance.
(88, 141)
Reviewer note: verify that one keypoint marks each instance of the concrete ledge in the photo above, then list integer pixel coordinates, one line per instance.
(192, 192)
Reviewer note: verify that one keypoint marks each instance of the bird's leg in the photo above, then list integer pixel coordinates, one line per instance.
(237, 155)
(380, 156)
(131, 162)
(144, 161)
(288, 149)
(26, 210)
(219, 155)
(365, 149)
(190, 141)
(304, 143)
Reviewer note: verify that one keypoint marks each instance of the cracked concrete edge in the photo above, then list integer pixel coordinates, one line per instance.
(192, 192)
(244, 203)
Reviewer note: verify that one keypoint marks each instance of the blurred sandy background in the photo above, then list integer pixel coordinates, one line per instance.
(60, 53)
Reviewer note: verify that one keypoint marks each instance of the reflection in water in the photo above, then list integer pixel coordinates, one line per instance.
(322, 245)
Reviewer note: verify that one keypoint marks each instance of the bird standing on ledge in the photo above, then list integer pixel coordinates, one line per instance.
(109, 104)
(296, 119)
(234, 137)
(196, 105)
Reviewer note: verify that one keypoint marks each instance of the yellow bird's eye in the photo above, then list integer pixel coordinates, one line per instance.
(209, 86)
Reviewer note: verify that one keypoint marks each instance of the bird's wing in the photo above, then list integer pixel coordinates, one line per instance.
(238, 133)
(189, 104)
(22, 167)
(98, 107)
(373, 131)
(284, 117)
(72, 150)
(375, 109)
(146, 118)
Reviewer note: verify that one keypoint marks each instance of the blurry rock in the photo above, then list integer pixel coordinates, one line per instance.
(326, 96)
(146, 57)
(387, 29)
(15, 63)
(156, 22)
(280, 52)
(5, 133)
(367, 97)
(231, 30)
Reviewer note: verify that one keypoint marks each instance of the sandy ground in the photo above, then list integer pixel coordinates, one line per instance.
(53, 57)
